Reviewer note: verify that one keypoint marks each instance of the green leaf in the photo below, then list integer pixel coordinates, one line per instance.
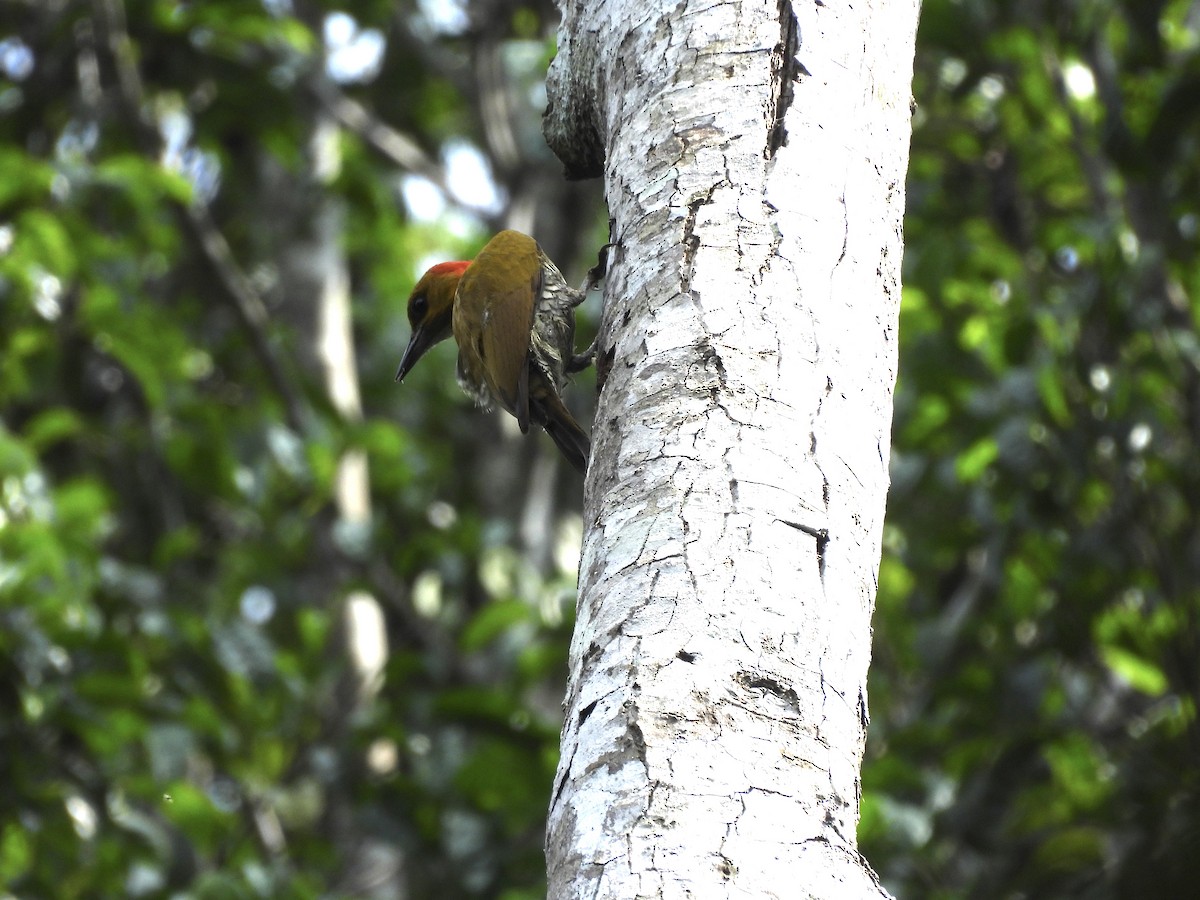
(490, 622)
(1050, 389)
(43, 239)
(80, 506)
(15, 853)
(22, 177)
(193, 812)
(1139, 673)
(974, 461)
(16, 456)
(50, 427)
(146, 180)
(1072, 849)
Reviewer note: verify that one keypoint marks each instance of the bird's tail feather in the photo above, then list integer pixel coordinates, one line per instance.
(563, 430)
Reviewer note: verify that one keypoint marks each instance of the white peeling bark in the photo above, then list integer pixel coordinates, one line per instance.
(716, 712)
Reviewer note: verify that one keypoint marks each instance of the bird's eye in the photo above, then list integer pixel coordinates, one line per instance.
(418, 307)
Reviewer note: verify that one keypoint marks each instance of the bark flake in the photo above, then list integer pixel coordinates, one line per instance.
(758, 682)
(691, 240)
(785, 72)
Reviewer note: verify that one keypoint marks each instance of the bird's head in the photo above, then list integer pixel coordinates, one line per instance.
(431, 311)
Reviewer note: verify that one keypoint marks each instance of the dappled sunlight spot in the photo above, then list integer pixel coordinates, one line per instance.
(353, 54)
(83, 816)
(1081, 83)
(257, 604)
(427, 594)
(367, 637)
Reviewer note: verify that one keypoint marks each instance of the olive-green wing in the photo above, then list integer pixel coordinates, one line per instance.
(497, 295)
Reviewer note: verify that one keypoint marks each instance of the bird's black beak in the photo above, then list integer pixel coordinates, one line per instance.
(417, 345)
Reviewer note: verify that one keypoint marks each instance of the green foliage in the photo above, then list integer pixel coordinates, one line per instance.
(1037, 643)
(178, 711)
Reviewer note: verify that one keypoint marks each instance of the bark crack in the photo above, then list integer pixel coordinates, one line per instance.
(822, 538)
(586, 712)
(562, 783)
(785, 72)
(691, 240)
(822, 543)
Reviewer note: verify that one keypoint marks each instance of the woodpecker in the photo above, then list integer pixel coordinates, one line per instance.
(513, 317)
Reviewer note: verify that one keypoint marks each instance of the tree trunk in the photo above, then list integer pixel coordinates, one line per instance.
(716, 711)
